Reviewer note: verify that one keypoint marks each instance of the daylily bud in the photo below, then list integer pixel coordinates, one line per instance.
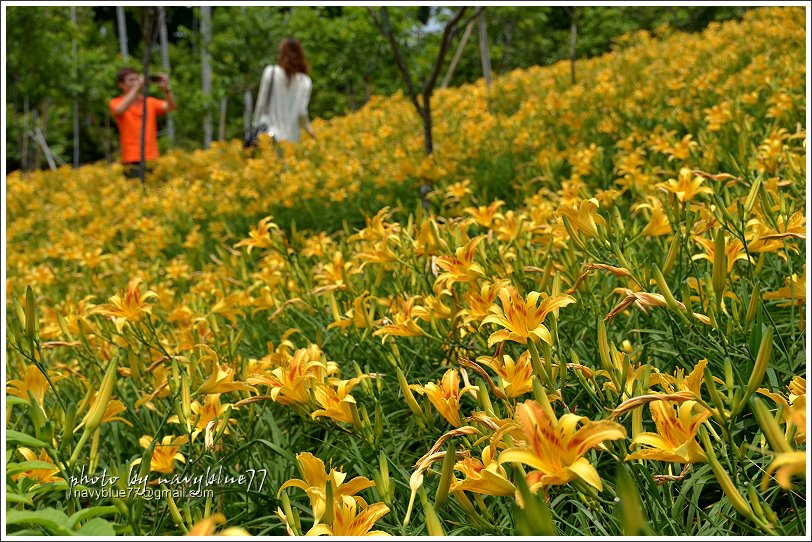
(719, 265)
(666, 293)
(727, 485)
(751, 196)
(572, 233)
(483, 398)
(173, 509)
(769, 427)
(96, 413)
(329, 492)
(356, 419)
(30, 314)
(716, 398)
(433, 524)
(765, 351)
(385, 489)
(67, 429)
(603, 347)
(446, 475)
(289, 513)
(754, 501)
(672, 254)
(409, 396)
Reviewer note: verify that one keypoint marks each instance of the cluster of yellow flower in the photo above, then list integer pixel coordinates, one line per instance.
(666, 217)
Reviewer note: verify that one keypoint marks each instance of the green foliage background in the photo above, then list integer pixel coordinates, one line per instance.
(350, 60)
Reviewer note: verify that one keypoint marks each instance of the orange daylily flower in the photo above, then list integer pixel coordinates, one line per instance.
(515, 377)
(785, 465)
(675, 439)
(484, 476)
(259, 237)
(687, 186)
(165, 454)
(461, 267)
(347, 521)
(129, 306)
(207, 527)
(585, 217)
(522, 319)
(555, 447)
(445, 395)
(314, 482)
(42, 476)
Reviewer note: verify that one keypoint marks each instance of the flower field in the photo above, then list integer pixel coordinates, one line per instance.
(595, 325)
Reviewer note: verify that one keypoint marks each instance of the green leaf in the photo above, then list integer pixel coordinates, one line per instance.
(16, 498)
(15, 438)
(97, 527)
(24, 466)
(13, 400)
(87, 513)
(50, 519)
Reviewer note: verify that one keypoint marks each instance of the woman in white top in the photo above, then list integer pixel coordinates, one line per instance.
(284, 94)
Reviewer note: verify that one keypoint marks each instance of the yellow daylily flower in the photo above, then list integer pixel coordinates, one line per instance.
(129, 306)
(42, 476)
(515, 377)
(658, 224)
(785, 465)
(461, 266)
(165, 454)
(675, 439)
(334, 399)
(484, 476)
(33, 381)
(348, 522)
(314, 483)
(445, 395)
(555, 448)
(208, 526)
(289, 383)
(259, 237)
(522, 319)
(585, 217)
(687, 185)
(793, 291)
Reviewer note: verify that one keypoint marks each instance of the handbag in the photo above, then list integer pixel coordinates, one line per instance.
(253, 134)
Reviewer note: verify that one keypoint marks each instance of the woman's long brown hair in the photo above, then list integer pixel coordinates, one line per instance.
(292, 58)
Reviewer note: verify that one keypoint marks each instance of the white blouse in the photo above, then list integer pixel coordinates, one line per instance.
(284, 107)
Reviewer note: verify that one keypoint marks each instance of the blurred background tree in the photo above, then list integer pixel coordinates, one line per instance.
(350, 61)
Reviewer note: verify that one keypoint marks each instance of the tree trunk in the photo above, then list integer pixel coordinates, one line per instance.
(248, 112)
(367, 87)
(483, 49)
(573, 38)
(122, 33)
(170, 123)
(457, 55)
(221, 133)
(506, 50)
(350, 96)
(41, 124)
(74, 50)
(205, 71)
(24, 156)
(148, 27)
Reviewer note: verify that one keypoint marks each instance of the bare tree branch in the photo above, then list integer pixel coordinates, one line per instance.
(385, 28)
(449, 32)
